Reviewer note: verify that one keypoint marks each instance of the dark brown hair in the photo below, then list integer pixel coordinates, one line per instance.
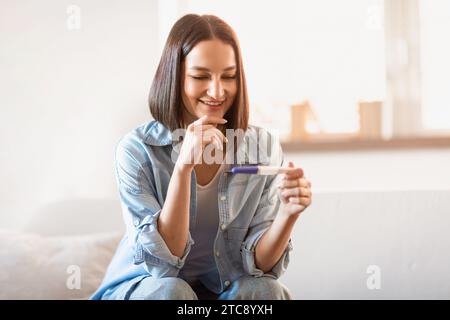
(165, 100)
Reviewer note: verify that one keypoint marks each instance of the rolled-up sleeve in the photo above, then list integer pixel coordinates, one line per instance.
(264, 216)
(141, 209)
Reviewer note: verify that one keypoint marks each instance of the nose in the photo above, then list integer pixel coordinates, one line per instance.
(215, 89)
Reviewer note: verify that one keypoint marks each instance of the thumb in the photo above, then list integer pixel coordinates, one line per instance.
(298, 173)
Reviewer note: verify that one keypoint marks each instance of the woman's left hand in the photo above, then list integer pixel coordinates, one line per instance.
(295, 191)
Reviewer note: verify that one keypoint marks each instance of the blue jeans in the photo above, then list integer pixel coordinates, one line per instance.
(172, 288)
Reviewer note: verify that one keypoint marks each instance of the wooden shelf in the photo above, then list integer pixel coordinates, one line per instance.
(354, 143)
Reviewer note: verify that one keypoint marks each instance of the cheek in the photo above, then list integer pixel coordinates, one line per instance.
(192, 90)
(232, 89)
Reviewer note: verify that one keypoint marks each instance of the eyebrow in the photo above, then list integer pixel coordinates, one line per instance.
(206, 69)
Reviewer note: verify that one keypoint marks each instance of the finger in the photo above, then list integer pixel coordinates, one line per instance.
(304, 183)
(293, 183)
(196, 128)
(304, 201)
(211, 136)
(216, 132)
(208, 139)
(220, 134)
(211, 130)
(296, 192)
(218, 143)
(207, 119)
(294, 174)
(288, 183)
(205, 127)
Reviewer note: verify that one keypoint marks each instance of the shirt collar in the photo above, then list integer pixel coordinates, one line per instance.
(157, 134)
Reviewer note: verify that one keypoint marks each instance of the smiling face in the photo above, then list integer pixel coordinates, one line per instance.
(209, 76)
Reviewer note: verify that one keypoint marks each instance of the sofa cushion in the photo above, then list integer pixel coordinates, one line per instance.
(53, 267)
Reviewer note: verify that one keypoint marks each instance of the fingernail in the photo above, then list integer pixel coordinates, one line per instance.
(225, 120)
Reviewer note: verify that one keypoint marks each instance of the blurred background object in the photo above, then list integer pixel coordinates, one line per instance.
(370, 120)
(304, 122)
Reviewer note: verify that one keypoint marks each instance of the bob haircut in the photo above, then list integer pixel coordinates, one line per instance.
(165, 100)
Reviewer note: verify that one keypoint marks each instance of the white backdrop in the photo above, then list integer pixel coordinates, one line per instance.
(67, 96)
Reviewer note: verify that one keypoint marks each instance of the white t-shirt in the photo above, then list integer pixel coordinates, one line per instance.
(200, 263)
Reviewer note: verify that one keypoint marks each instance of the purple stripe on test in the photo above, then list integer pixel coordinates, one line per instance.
(248, 170)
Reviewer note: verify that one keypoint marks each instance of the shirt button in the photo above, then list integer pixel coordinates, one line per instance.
(222, 226)
(217, 253)
(223, 198)
(136, 222)
(227, 283)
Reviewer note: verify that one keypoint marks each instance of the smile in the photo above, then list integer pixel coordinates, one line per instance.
(212, 104)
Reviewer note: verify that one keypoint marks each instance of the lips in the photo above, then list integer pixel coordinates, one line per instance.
(212, 103)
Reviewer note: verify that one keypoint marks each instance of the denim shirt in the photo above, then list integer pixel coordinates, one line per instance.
(248, 204)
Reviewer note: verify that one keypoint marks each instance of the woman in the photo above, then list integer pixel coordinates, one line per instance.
(195, 231)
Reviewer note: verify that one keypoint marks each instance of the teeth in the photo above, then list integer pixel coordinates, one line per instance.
(212, 103)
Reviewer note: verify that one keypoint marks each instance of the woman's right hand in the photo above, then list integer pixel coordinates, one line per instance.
(199, 134)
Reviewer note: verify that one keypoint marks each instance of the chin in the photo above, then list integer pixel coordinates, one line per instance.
(219, 112)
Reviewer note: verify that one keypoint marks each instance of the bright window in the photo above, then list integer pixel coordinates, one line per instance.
(328, 52)
(435, 63)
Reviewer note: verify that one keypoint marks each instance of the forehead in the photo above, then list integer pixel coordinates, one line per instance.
(212, 54)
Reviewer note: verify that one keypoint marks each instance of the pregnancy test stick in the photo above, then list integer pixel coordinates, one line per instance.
(261, 170)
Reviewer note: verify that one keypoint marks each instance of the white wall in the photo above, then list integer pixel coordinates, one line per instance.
(67, 96)
(425, 169)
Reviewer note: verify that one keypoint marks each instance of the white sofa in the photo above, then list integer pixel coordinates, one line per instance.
(62, 252)
(404, 234)
(400, 237)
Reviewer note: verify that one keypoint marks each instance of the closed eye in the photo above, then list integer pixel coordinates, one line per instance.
(206, 78)
(199, 78)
